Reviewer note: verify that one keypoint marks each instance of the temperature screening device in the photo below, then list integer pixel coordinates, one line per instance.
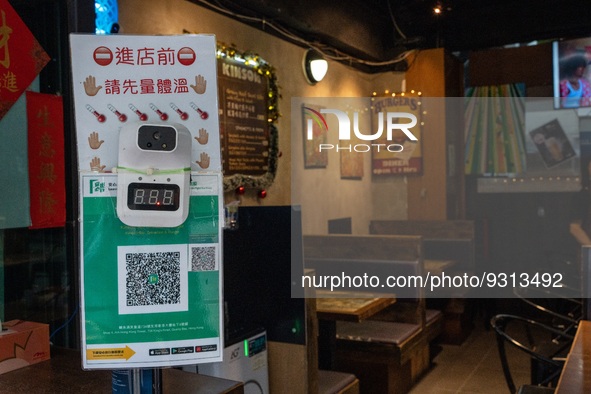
(154, 173)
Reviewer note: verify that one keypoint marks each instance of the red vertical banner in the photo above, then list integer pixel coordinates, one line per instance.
(47, 181)
(21, 57)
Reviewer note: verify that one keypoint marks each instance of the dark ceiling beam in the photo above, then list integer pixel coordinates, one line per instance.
(365, 30)
(502, 23)
(346, 28)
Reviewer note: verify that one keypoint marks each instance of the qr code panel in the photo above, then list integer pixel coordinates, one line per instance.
(153, 278)
(203, 258)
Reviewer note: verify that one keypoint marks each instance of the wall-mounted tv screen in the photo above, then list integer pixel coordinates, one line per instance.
(572, 73)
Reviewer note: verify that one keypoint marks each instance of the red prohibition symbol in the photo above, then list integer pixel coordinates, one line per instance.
(186, 56)
(103, 56)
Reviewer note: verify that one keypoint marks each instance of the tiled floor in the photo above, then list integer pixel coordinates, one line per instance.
(473, 367)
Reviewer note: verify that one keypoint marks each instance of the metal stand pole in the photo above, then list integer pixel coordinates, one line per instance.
(137, 380)
(157, 381)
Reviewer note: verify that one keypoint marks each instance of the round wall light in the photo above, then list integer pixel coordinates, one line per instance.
(315, 66)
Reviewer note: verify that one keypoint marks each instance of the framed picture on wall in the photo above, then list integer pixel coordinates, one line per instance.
(404, 156)
(552, 143)
(351, 164)
(352, 159)
(315, 134)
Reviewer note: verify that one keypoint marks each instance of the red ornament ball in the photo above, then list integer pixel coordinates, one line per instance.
(262, 193)
(240, 190)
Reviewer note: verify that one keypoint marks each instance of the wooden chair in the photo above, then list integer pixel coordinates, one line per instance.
(333, 382)
(390, 351)
(443, 240)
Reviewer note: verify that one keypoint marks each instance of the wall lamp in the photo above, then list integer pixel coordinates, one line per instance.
(315, 66)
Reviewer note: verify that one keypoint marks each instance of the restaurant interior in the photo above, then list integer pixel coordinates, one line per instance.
(477, 198)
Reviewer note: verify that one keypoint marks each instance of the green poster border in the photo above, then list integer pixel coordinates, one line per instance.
(103, 233)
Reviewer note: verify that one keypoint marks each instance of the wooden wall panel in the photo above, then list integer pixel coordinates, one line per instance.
(427, 197)
(531, 65)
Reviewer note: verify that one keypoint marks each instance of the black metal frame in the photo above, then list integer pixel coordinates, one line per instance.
(560, 339)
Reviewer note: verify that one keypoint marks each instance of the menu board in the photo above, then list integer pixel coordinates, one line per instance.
(244, 126)
(403, 156)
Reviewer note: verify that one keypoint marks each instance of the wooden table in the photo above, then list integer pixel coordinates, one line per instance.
(437, 267)
(349, 306)
(576, 374)
(63, 374)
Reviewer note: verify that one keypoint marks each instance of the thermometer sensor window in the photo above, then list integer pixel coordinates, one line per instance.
(153, 197)
(158, 138)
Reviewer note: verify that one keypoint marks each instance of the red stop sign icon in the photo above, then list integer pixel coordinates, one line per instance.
(103, 56)
(186, 56)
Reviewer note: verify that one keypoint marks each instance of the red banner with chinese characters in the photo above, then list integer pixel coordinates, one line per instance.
(47, 180)
(21, 57)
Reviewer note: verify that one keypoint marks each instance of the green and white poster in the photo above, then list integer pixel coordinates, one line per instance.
(151, 200)
(151, 295)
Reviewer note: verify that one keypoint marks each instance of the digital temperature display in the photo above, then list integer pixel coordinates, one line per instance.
(153, 197)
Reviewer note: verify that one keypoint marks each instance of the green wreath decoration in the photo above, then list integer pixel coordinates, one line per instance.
(267, 71)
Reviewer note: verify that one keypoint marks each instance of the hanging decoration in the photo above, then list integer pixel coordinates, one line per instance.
(21, 57)
(494, 121)
(46, 160)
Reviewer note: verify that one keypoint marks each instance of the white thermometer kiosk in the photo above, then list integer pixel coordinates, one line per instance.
(153, 175)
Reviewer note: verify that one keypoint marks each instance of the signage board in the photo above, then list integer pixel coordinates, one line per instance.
(150, 290)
